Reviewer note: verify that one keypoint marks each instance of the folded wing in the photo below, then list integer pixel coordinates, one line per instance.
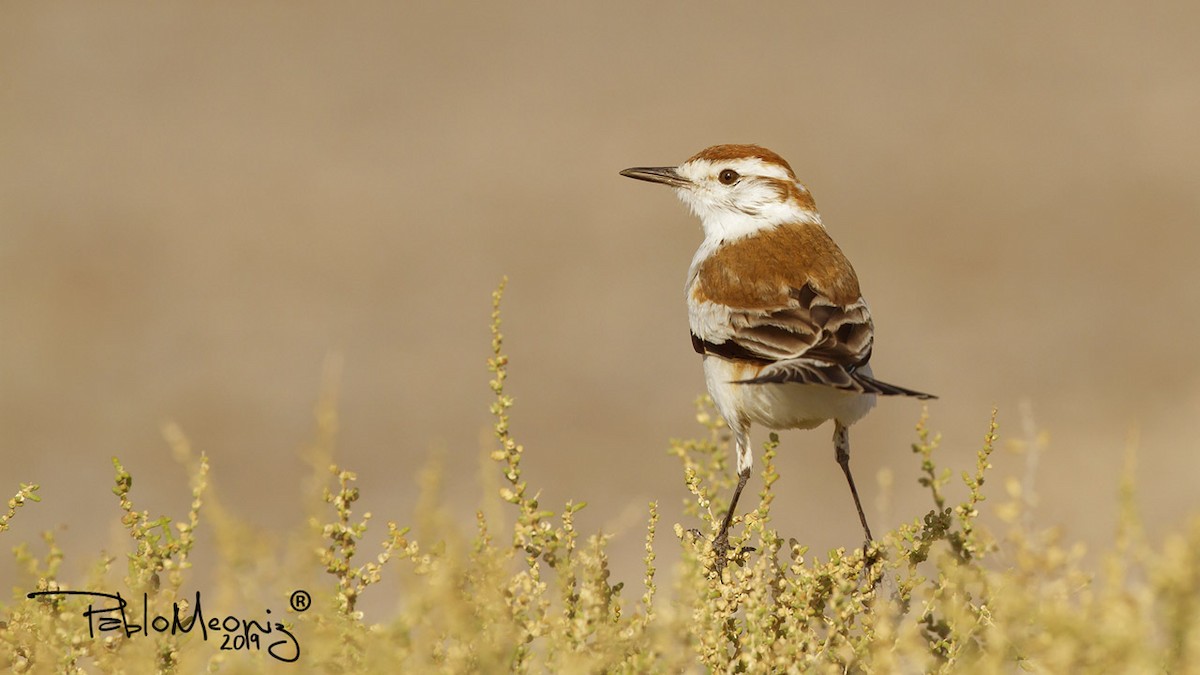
(811, 340)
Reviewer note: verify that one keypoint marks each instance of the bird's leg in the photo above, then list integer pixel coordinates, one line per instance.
(721, 543)
(841, 445)
(744, 462)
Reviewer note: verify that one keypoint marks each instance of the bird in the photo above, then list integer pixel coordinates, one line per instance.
(774, 307)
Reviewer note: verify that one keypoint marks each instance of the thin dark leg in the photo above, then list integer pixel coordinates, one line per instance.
(721, 543)
(741, 439)
(841, 444)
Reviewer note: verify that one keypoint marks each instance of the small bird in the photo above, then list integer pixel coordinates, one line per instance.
(774, 306)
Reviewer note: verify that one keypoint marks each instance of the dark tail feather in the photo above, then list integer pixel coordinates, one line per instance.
(883, 388)
(812, 371)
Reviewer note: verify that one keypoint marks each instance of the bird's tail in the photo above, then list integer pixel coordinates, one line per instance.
(884, 389)
(812, 371)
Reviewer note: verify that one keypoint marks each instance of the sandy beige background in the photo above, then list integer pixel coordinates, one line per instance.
(199, 202)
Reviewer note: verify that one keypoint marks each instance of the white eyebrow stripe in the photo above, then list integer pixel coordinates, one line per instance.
(747, 166)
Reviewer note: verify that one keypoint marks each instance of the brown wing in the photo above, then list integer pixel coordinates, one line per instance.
(802, 317)
(815, 342)
(811, 340)
(810, 326)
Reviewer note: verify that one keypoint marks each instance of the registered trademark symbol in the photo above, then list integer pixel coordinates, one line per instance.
(300, 600)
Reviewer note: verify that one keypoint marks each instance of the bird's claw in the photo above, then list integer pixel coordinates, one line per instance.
(721, 555)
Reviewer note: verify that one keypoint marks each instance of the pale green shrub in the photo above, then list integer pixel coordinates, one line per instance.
(938, 594)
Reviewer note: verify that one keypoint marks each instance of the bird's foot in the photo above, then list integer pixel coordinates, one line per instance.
(872, 554)
(721, 555)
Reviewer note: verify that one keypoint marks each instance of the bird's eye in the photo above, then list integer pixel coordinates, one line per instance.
(728, 177)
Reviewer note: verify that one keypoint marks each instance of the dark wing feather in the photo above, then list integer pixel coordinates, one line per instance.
(813, 340)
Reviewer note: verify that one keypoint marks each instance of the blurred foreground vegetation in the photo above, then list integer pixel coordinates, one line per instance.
(528, 592)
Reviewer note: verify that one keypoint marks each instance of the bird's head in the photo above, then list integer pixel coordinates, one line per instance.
(736, 190)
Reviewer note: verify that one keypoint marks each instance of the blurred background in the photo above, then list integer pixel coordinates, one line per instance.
(199, 203)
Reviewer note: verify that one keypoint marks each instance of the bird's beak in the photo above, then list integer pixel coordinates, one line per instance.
(667, 175)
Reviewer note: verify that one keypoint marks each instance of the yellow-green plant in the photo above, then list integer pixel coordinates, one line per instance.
(526, 591)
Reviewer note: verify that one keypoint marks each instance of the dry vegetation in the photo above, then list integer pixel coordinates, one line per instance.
(938, 594)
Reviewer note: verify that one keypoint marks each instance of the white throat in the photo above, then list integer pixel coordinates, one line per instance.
(724, 224)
